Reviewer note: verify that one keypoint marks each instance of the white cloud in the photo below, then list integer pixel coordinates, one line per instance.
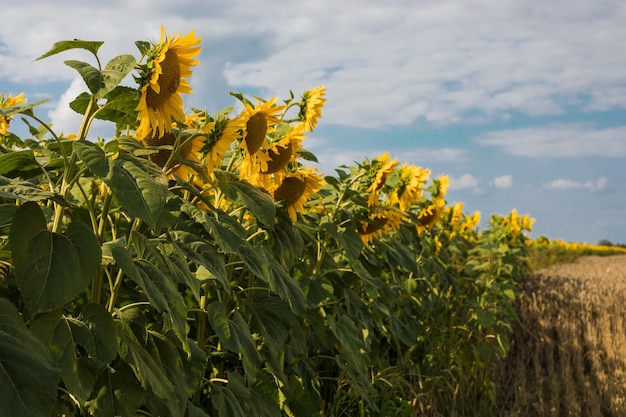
(559, 141)
(464, 182)
(384, 63)
(505, 181)
(566, 184)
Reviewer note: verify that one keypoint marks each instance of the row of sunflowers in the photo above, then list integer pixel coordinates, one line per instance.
(197, 264)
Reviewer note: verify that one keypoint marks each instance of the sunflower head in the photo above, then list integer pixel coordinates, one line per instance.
(311, 107)
(187, 162)
(5, 102)
(162, 79)
(381, 168)
(295, 189)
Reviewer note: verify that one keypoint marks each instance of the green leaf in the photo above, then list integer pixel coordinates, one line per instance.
(7, 211)
(202, 254)
(28, 378)
(116, 393)
(16, 189)
(226, 402)
(114, 72)
(227, 231)
(61, 46)
(143, 46)
(103, 330)
(256, 260)
(146, 369)
(92, 76)
(160, 289)
(19, 164)
(235, 335)
(272, 318)
(287, 288)
(93, 157)
(50, 269)
(259, 202)
(140, 187)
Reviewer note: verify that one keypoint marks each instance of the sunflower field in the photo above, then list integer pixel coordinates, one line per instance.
(198, 264)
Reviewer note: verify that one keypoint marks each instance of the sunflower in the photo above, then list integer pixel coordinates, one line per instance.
(5, 102)
(188, 148)
(311, 107)
(469, 223)
(259, 121)
(382, 167)
(442, 183)
(221, 134)
(296, 189)
(283, 150)
(430, 216)
(379, 222)
(163, 78)
(409, 191)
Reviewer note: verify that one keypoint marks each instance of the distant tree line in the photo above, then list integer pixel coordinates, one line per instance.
(606, 242)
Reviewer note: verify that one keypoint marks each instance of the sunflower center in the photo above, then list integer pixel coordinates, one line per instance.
(278, 158)
(428, 217)
(168, 81)
(256, 128)
(162, 156)
(290, 191)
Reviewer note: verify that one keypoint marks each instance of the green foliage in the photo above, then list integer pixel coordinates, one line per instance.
(128, 290)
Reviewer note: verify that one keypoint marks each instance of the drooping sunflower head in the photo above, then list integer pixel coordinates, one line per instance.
(186, 163)
(5, 102)
(430, 216)
(259, 121)
(283, 148)
(296, 189)
(379, 221)
(220, 136)
(380, 170)
(162, 79)
(311, 108)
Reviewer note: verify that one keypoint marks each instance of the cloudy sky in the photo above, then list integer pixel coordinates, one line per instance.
(521, 102)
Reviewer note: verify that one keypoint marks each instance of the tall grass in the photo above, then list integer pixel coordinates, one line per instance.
(568, 351)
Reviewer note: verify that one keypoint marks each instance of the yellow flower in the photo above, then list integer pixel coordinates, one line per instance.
(283, 150)
(409, 191)
(430, 216)
(5, 102)
(296, 189)
(469, 223)
(380, 221)
(442, 183)
(383, 168)
(311, 108)
(168, 67)
(188, 148)
(221, 135)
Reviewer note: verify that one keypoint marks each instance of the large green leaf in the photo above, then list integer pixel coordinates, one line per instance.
(287, 288)
(259, 202)
(51, 269)
(139, 185)
(120, 106)
(28, 378)
(272, 318)
(93, 157)
(226, 402)
(235, 335)
(161, 290)
(151, 376)
(19, 164)
(256, 260)
(17, 189)
(203, 254)
(227, 232)
(91, 75)
(116, 393)
(114, 72)
(58, 47)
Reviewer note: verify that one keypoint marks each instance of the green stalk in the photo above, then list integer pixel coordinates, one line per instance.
(120, 273)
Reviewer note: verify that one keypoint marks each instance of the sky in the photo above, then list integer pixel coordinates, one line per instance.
(522, 103)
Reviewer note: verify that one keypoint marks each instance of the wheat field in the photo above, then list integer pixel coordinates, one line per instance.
(568, 351)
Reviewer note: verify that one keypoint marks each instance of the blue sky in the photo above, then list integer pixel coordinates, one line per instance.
(521, 102)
